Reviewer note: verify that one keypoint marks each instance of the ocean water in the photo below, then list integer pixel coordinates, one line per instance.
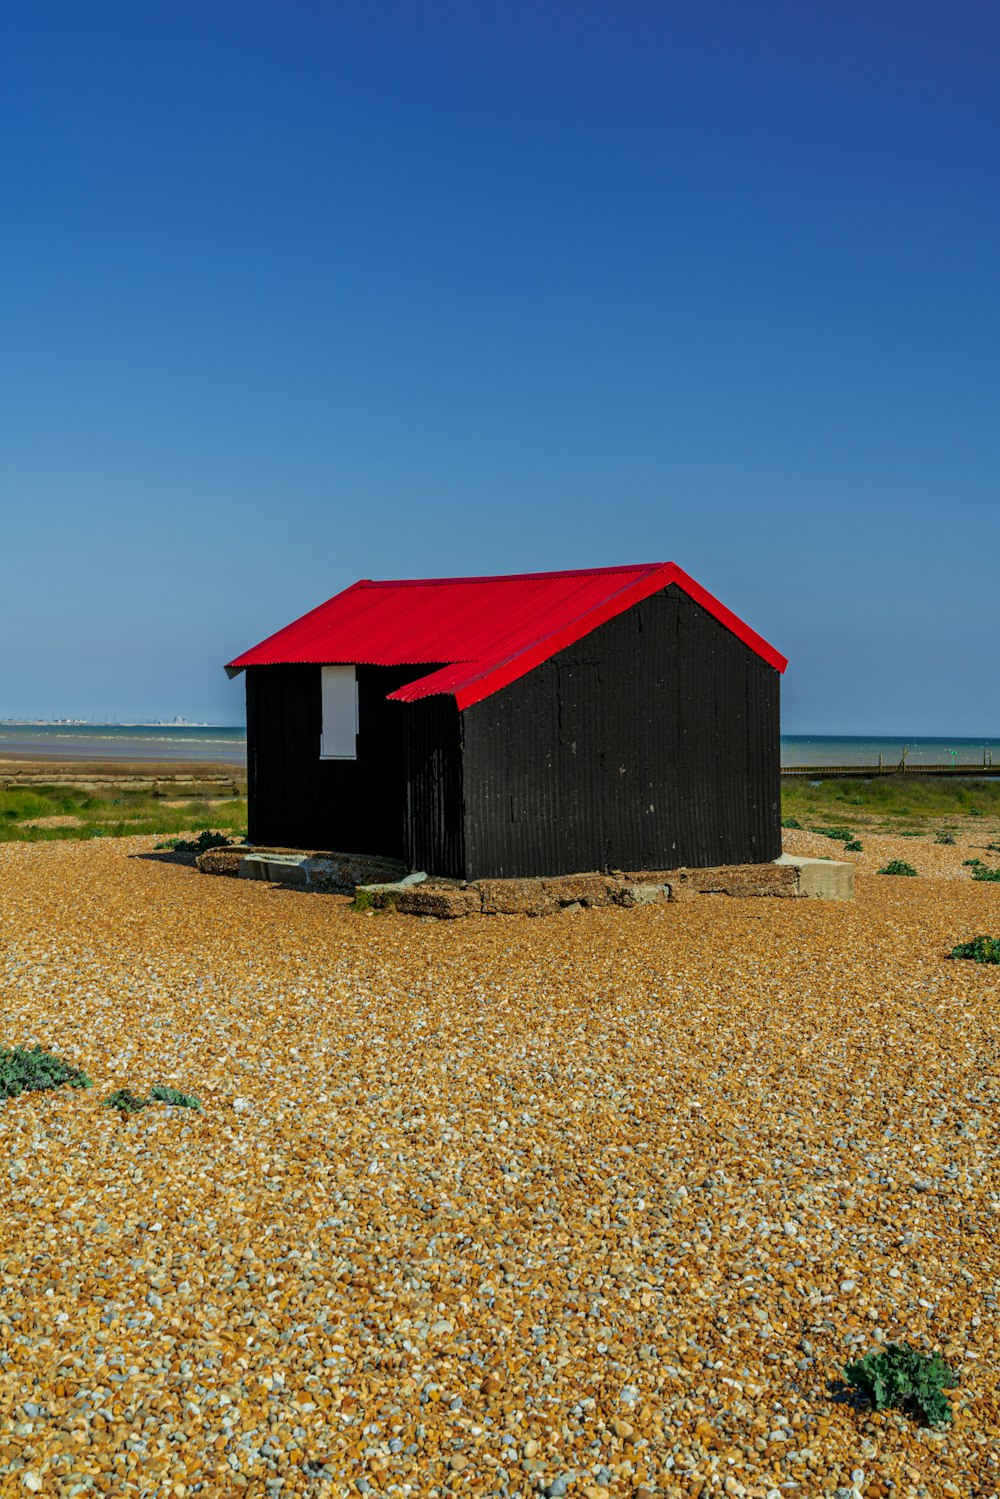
(228, 745)
(66, 741)
(836, 749)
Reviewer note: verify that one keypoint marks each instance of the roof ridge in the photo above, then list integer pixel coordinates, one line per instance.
(574, 572)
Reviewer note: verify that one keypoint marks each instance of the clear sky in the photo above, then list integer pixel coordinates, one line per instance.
(303, 291)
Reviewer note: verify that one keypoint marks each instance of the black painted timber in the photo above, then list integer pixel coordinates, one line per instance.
(297, 800)
(651, 743)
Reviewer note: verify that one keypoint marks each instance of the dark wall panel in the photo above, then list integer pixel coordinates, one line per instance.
(433, 775)
(651, 743)
(298, 800)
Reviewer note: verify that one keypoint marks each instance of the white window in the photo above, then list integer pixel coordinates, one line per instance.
(339, 732)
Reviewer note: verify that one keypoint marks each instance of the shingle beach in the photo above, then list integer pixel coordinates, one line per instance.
(593, 1204)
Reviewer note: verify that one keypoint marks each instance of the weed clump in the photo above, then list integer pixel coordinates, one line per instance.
(790, 822)
(29, 1071)
(945, 837)
(853, 846)
(161, 1093)
(842, 835)
(205, 840)
(898, 866)
(125, 1100)
(979, 950)
(901, 1378)
(984, 872)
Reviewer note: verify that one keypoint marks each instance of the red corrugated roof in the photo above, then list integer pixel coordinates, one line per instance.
(489, 630)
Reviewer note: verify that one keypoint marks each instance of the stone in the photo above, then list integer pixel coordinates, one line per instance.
(440, 901)
(820, 879)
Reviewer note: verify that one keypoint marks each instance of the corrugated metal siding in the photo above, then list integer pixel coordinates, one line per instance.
(435, 838)
(651, 743)
(297, 800)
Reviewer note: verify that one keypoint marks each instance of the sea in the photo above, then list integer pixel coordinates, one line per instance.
(103, 741)
(227, 743)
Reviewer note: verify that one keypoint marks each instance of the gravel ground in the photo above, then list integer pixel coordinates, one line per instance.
(596, 1204)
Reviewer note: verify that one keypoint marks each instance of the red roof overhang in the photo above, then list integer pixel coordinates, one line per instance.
(490, 631)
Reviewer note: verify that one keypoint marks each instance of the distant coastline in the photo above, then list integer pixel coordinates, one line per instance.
(225, 744)
(69, 739)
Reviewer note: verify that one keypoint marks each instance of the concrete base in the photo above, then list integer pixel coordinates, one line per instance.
(785, 878)
(821, 879)
(338, 874)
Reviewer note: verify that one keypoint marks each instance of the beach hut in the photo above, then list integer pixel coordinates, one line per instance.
(537, 724)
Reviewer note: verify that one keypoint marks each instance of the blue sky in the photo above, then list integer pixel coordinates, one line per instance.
(295, 293)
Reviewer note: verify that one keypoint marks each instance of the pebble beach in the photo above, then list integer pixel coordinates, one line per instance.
(594, 1204)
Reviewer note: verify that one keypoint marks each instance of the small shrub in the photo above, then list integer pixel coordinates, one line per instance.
(945, 837)
(984, 872)
(205, 840)
(898, 866)
(854, 846)
(842, 835)
(975, 812)
(790, 822)
(909, 833)
(979, 950)
(971, 863)
(29, 1071)
(164, 1094)
(126, 1100)
(901, 1378)
(994, 848)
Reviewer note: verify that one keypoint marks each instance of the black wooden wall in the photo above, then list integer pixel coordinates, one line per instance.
(650, 744)
(435, 830)
(297, 800)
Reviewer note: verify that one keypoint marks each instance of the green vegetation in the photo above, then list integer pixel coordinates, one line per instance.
(371, 901)
(130, 1103)
(979, 950)
(842, 835)
(984, 872)
(119, 813)
(945, 837)
(29, 1071)
(898, 866)
(161, 1093)
(850, 800)
(854, 846)
(205, 840)
(790, 822)
(125, 1100)
(901, 1378)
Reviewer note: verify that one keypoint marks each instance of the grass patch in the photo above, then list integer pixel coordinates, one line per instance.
(898, 866)
(979, 950)
(850, 799)
(119, 813)
(30, 1071)
(901, 1378)
(841, 835)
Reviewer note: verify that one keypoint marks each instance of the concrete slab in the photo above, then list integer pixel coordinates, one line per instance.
(822, 879)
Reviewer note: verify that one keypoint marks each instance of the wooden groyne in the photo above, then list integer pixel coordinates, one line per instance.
(174, 778)
(898, 768)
